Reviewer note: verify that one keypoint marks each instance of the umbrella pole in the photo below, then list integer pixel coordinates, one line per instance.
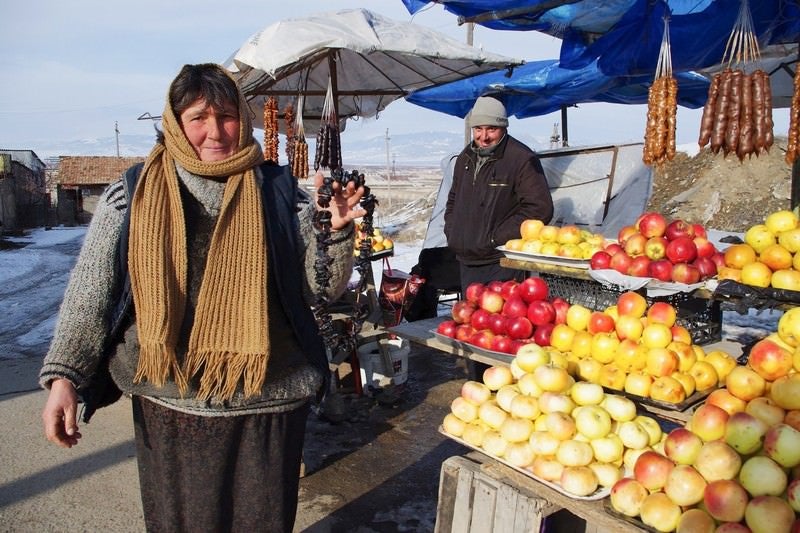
(334, 86)
(564, 137)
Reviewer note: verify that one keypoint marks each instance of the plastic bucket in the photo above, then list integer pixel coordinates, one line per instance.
(373, 372)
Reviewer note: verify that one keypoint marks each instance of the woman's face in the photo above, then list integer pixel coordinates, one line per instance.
(214, 134)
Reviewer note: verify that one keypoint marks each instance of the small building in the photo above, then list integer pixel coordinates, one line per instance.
(80, 182)
(24, 200)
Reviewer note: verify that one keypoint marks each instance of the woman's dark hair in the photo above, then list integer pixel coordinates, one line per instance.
(206, 81)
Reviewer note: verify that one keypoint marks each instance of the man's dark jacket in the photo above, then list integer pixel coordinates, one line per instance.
(485, 210)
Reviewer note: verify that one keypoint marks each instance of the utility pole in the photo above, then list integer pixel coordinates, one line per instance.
(388, 172)
(116, 129)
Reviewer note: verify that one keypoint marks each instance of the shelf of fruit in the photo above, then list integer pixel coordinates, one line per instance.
(630, 347)
(382, 246)
(571, 436)
(736, 463)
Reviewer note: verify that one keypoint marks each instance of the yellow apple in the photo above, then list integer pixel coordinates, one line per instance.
(604, 347)
(704, 374)
(578, 317)
(667, 389)
(612, 377)
(687, 382)
(783, 220)
(722, 362)
(759, 237)
(638, 383)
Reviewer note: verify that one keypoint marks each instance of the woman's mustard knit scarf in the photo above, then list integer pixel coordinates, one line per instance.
(228, 341)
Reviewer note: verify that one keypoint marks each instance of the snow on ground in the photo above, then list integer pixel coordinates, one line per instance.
(17, 266)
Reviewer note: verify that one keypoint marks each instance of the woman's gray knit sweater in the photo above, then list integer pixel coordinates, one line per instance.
(82, 323)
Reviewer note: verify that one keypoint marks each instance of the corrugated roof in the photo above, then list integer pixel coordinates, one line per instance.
(93, 170)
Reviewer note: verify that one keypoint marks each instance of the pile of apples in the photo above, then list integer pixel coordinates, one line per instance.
(379, 241)
(538, 418)
(769, 256)
(502, 316)
(640, 349)
(567, 241)
(654, 247)
(736, 463)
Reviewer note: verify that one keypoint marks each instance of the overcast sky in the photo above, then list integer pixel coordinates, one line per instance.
(70, 69)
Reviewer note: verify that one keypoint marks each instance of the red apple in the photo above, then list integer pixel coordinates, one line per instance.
(725, 500)
(635, 244)
(541, 312)
(462, 311)
(682, 446)
(625, 233)
(660, 269)
(600, 260)
(561, 306)
(652, 224)
(600, 322)
(492, 301)
(678, 228)
(621, 262)
(699, 231)
(497, 323)
(509, 289)
(542, 333)
(656, 248)
(706, 266)
(769, 360)
(447, 328)
(705, 248)
(681, 250)
(652, 470)
(532, 288)
(514, 307)
(685, 273)
(519, 327)
(613, 248)
(502, 343)
(480, 319)
(640, 266)
(496, 286)
(482, 338)
(464, 332)
(473, 292)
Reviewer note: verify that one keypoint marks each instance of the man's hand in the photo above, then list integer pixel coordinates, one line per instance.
(60, 414)
(344, 206)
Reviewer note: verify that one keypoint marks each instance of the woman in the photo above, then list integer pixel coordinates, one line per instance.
(223, 356)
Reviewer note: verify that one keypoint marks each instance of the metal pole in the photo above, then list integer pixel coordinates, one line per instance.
(388, 174)
(470, 35)
(116, 129)
(564, 137)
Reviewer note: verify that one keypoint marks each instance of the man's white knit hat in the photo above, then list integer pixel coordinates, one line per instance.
(488, 111)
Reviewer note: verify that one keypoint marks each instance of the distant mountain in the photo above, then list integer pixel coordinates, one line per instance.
(405, 149)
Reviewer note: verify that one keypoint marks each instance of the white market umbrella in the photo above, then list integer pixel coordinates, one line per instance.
(369, 59)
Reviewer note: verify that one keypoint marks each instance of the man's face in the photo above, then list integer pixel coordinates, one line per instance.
(486, 136)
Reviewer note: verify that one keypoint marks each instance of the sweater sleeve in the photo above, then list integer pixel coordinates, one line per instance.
(81, 328)
(340, 251)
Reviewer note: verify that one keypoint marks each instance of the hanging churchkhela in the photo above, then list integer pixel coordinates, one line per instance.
(662, 106)
(737, 116)
(296, 146)
(271, 129)
(793, 141)
(328, 155)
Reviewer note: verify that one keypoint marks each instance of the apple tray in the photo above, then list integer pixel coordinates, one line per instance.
(381, 255)
(694, 398)
(599, 494)
(609, 509)
(543, 258)
(500, 356)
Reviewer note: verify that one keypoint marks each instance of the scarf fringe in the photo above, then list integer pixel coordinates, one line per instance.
(222, 371)
(157, 363)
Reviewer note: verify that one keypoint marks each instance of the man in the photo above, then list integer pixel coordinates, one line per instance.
(497, 183)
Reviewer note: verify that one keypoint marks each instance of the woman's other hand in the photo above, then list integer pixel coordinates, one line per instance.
(344, 206)
(60, 414)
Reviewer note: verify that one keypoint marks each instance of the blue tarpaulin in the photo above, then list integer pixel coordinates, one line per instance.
(542, 87)
(624, 36)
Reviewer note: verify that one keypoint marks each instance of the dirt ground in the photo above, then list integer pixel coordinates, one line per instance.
(722, 192)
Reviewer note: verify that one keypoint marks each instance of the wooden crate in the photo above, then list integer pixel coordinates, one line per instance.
(472, 500)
